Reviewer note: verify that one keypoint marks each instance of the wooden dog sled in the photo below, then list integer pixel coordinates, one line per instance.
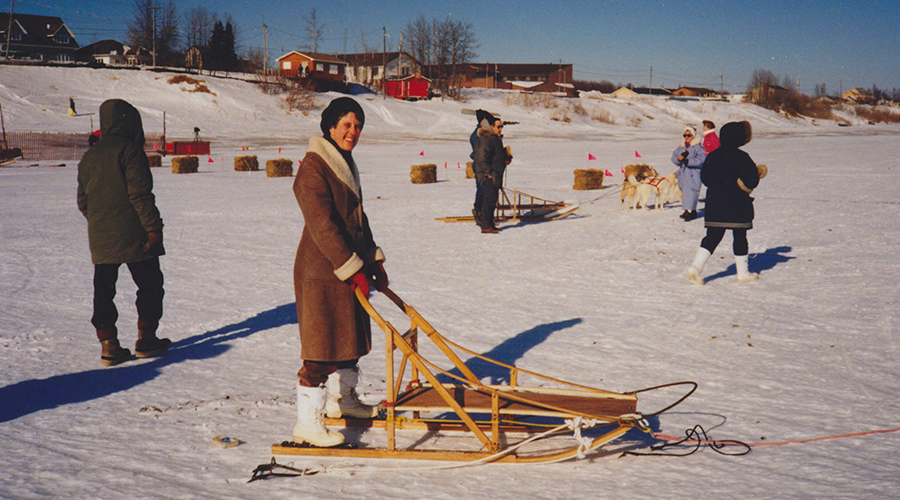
(492, 414)
(515, 205)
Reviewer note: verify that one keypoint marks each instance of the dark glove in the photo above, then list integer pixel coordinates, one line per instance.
(154, 245)
(379, 277)
(359, 280)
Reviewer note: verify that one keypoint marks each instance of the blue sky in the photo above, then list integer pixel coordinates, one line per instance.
(713, 43)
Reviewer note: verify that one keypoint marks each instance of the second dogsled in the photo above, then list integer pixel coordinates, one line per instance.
(507, 421)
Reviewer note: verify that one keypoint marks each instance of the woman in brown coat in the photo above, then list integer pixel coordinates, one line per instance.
(336, 254)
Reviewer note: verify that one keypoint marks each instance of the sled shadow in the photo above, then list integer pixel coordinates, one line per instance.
(509, 351)
(759, 262)
(29, 396)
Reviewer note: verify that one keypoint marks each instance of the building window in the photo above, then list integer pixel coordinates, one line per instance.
(286, 65)
(320, 66)
(333, 69)
(62, 58)
(61, 38)
(15, 36)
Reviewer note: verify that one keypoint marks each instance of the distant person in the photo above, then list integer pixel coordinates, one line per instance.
(480, 115)
(336, 255)
(710, 139)
(491, 158)
(115, 194)
(689, 157)
(728, 202)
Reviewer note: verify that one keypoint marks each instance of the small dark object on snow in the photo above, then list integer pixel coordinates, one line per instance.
(265, 471)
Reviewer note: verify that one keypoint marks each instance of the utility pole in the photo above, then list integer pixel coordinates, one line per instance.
(384, 62)
(265, 49)
(9, 28)
(400, 56)
(651, 79)
(154, 9)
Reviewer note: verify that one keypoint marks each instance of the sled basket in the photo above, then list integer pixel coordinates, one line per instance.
(514, 205)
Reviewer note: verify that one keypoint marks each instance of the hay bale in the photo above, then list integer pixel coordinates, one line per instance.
(423, 174)
(246, 163)
(281, 167)
(470, 172)
(155, 160)
(185, 164)
(586, 179)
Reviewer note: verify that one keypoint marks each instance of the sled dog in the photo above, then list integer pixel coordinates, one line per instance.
(634, 174)
(659, 188)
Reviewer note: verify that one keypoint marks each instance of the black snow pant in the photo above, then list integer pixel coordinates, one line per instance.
(149, 280)
(489, 203)
(714, 236)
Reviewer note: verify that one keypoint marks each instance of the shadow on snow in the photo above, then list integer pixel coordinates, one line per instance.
(29, 396)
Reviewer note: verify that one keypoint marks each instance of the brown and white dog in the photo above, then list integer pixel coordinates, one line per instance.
(659, 188)
(634, 175)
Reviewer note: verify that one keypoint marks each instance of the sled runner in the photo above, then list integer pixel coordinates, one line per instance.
(495, 415)
(515, 205)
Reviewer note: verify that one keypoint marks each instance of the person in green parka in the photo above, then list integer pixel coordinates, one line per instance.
(115, 194)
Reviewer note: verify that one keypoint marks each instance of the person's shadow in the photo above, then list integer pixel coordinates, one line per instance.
(29, 396)
(509, 351)
(759, 262)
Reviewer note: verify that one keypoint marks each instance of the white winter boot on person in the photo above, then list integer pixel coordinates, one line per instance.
(743, 274)
(693, 272)
(310, 426)
(343, 400)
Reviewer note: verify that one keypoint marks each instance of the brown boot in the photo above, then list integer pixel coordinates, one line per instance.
(112, 354)
(148, 345)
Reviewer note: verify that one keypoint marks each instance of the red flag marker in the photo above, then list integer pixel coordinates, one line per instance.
(211, 160)
(422, 153)
(279, 149)
(636, 154)
(591, 157)
(608, 173)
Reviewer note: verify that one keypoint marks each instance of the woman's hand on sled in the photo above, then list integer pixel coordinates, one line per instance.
(379, 276)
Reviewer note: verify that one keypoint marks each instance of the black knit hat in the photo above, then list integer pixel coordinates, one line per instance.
(337, 109)
(482, 115)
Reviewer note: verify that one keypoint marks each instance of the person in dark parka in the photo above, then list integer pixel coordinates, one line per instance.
(491, 158)
(115, 194)
(729, 175)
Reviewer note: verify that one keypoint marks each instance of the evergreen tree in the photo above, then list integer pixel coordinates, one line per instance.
(216, 47)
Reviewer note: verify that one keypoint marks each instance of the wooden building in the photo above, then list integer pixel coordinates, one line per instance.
(37, 38)
(322, 67)
(411, 88)
(551, 78)
(369, 68)
(694, 92)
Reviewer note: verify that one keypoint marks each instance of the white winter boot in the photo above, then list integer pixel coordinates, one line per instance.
(743, 274)
(310, 426)
(693, 272)
(343, 400)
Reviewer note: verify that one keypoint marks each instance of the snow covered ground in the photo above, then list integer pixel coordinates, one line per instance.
(599, 298)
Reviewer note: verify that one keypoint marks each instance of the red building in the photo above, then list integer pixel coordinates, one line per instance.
(410, 88)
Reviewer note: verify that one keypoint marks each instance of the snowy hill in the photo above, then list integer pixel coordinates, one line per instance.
(36, 99)
(600, 298)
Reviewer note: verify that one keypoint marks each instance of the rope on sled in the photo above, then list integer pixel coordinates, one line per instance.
(692, 436)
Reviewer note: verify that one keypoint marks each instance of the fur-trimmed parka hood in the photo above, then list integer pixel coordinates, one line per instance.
(736, 134)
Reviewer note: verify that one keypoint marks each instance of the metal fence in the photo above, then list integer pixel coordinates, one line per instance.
(45, 146)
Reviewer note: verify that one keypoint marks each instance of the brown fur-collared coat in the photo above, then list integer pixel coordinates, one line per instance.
(336, 243)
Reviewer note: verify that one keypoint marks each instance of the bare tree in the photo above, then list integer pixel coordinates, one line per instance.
(441, 47)
(150, 19)
(198, 27)
(314, 29)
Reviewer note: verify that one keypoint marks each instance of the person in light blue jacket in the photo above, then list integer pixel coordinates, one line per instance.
(689, 156)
